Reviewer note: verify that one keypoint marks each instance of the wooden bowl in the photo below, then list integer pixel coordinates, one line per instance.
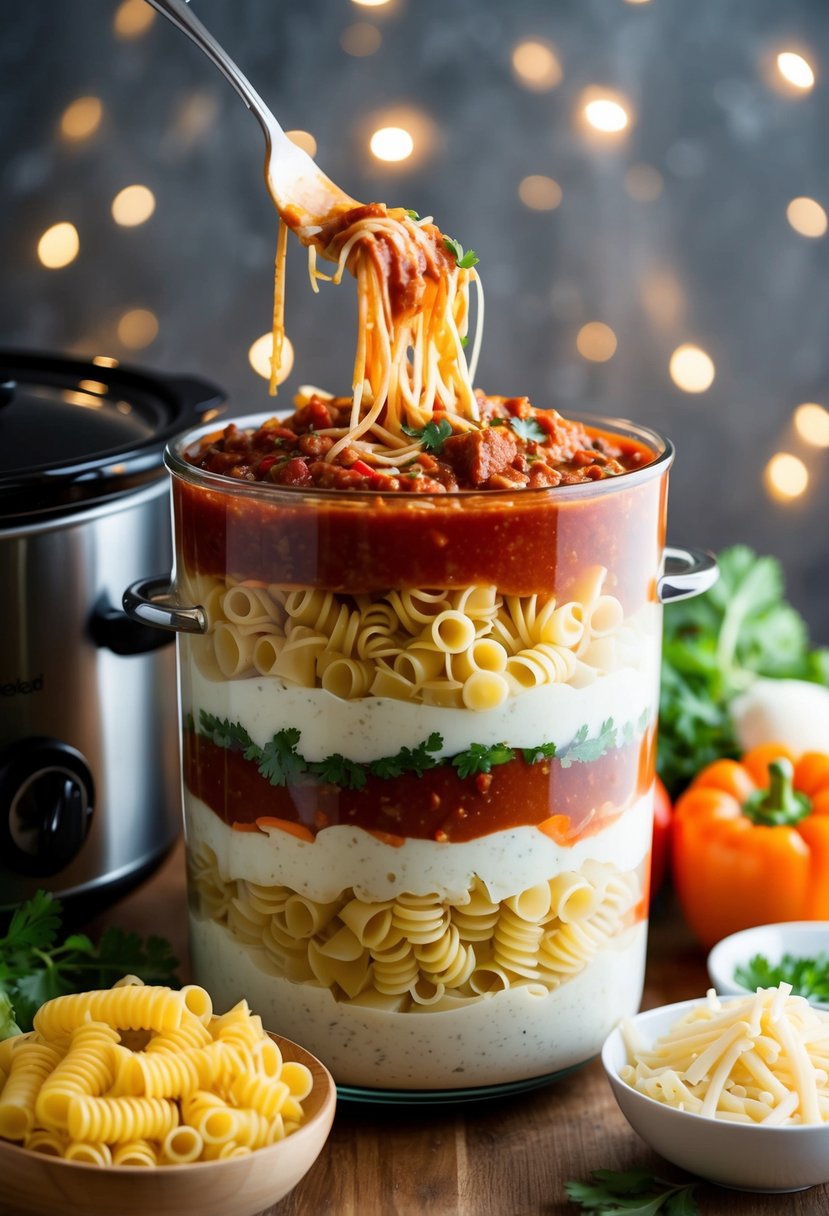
(32, 1184)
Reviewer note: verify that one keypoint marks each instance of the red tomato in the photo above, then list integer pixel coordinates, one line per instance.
(661, 851)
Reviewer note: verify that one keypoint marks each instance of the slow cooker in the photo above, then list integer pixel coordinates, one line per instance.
(89, 786)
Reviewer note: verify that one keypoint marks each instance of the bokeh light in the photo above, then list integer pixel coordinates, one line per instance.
(59, 245)
(137, 328)
(304, 140)
(807, 217)
(607, 114)
(361, 39)
(692, 369)
(133, 18)
(812, 424)
(539, 193)
(133, 206)
(537, 65)
(644, 183)
(786, 476)
(596, 341)
(796, 70)
(392, 144)
(259, 357)
(82, 118)
(370, 3)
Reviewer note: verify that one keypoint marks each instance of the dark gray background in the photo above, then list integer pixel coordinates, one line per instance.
(732, 152)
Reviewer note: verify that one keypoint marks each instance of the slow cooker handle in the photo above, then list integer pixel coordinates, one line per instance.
(151, 601)
(688, 572)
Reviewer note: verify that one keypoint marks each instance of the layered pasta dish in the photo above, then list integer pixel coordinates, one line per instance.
(418, 730)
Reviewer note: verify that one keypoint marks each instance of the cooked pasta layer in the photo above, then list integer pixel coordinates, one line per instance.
(470, 648)
(422, 951)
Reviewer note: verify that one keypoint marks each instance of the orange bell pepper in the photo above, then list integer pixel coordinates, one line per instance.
(751, 842)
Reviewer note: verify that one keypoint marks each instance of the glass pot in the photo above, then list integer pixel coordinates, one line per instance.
(418, 740)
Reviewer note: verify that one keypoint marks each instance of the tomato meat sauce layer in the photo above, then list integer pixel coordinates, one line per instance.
(438, 805)
(524, 539)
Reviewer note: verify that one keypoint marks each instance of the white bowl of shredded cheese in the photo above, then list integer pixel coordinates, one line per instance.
(734, 1090)
(798, 939)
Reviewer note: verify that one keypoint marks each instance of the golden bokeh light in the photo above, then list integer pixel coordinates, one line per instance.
(392, 144)
(606, 114)
(796, 70)
(137, 328)
(539, 193)
(644, 183)
(663, 298)
(811, 422)
(596, 342)
(361, 39)
(133, 18)
(259, 357)
(59, 246)
(638, 1)
(82, 118)
(807, 217)
(692, 369)
(370, 3)
(786, 476)
(133, 206)
(537, 66)
(304, 140)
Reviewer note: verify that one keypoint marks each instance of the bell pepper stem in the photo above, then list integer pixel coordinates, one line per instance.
(781, 804)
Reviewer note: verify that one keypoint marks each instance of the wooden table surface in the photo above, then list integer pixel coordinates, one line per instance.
(507, 1157)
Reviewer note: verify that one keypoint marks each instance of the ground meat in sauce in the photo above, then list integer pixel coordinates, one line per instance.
(516, 446)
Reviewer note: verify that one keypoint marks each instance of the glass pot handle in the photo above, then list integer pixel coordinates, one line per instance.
(151, 602)
(688, 572)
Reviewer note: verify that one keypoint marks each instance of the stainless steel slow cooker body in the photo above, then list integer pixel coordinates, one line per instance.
(89, 772)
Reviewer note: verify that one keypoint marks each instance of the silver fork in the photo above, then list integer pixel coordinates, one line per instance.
(303, 195)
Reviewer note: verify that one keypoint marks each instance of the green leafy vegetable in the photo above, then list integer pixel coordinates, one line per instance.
(223, 732)
(481, 759)
(465, 260)
(413, 215)
(433, 435)
(635, 1192)
(34, 968)
(544, 751)
(714, 647)
(409, 759)
(528, 429)
(808, 977)
(465, 341)
(339, 771)
(583, 750)
(279, 760)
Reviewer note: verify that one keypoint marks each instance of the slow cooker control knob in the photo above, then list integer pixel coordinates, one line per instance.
(47, 798)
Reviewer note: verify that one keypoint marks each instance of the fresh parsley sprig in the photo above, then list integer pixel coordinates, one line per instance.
(415, 760)
(583, 750)
(35, 967)
(479, 758)
(635, 1192)
(465, 260)
(432, 436)
(528, 429)
(544, 751)
(809, 977)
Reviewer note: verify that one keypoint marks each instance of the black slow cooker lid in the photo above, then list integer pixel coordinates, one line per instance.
(73, 431)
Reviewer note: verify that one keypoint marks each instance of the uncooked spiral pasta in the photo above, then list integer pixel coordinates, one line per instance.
(212, 1087)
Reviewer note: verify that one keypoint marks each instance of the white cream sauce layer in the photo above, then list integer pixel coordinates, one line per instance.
(507, 1036)
(341, 857)
(370, 727)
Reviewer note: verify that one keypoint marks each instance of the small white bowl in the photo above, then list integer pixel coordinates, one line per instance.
(801, 938)
(732, 1154)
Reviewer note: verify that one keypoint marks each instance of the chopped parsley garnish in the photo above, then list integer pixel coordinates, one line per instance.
(409, 759)
(465, 260)
(413, 215)
(809, 977)
(338, 771)
(465, 341)
(544, 751)
(528, 429)
(279, 760)
(479, 758)
(433, 435)
(583, 750)
(223, 732)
